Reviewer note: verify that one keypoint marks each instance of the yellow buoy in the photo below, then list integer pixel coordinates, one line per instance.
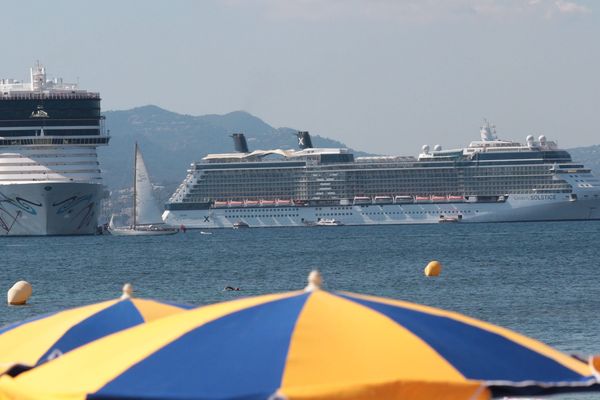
(595, 364)
(434, 268)
(19, 293)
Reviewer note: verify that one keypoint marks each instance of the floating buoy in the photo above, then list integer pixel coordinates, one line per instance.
(595, 364)
(127, 291)
(19, 293)
(315, 280)
(434, 268)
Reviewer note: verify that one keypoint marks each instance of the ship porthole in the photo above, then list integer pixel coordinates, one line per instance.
(48, 188)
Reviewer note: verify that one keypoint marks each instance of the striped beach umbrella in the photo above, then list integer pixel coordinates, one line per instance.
(308, 344)
(34, 341)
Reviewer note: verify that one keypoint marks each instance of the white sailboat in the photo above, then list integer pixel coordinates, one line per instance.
(147, 218)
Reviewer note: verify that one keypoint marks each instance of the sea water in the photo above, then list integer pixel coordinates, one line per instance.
(540, 279)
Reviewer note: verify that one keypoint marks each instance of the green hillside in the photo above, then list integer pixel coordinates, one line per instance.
(171, 141)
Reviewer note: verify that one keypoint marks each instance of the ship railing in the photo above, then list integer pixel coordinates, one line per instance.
(73, 95)
(55, 141)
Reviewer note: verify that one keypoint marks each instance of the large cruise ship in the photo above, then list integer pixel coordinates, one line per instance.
(491, 180)
(50, 181)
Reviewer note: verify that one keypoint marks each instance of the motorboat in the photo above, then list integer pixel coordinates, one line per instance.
(445, 219)
(240, 225)
(329, 222)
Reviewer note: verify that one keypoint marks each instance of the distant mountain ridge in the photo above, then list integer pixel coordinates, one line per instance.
(588, 156)
(171, 141)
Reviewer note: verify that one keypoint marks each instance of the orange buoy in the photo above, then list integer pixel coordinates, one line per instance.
(595, 364)
(434, 268)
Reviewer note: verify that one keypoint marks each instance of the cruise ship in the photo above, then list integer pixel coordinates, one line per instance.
(491, 180)
(50, 181)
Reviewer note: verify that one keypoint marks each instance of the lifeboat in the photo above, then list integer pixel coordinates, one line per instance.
(422, 199)
(382, 199)
(251, 203)
(403, 199)
(362, 200)
(456, 198)
(218, 204)
(235, 203)
(439, 199)
(267, 203)
(284, 202)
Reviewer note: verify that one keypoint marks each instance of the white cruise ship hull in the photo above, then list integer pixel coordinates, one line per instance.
(49, 208)
(517, 208)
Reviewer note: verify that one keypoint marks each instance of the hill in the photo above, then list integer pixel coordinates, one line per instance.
(588, 156)
(171, 141)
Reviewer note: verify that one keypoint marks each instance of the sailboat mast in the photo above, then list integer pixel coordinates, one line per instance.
(134, 184)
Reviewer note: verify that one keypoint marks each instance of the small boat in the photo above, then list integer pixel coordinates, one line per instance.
(329, 222)
(205, 233)
(147, 218)
(444, 219)
(240, 225)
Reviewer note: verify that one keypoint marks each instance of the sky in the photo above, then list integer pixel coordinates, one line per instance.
(383, 76)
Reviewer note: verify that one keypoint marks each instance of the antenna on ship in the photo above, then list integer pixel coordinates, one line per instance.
(488, 132)
(304, 141)
(38, 76)
(239, 143)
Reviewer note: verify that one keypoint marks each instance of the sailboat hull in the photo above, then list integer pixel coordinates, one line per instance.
(142, 232)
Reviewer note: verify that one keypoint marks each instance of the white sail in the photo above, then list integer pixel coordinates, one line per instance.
(147, 211)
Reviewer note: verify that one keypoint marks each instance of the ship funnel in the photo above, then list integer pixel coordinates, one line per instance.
(304, 141)
(239, 142)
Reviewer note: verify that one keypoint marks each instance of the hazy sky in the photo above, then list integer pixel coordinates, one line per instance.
(383, 76)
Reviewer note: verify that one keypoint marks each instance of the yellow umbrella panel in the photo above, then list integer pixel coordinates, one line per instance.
(306, 345)
(34, 341)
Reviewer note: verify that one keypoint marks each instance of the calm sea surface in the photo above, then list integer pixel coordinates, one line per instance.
(541, 279)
